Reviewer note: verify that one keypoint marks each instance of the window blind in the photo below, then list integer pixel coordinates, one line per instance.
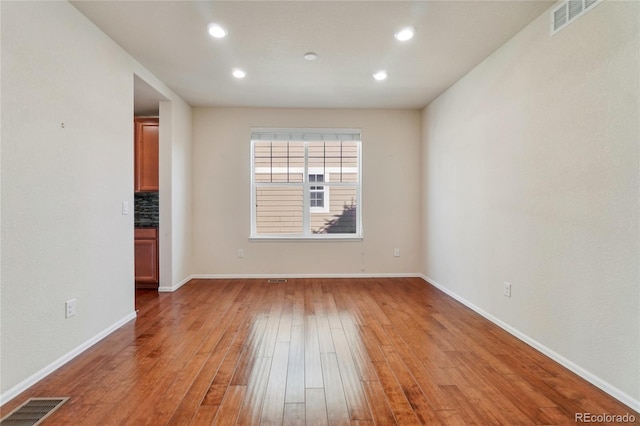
(267, 134)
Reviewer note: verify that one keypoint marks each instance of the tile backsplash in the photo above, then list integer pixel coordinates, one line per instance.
(147, 209)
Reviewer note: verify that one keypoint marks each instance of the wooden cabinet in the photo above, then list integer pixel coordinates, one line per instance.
(146, 168)
(146, 258)
(146, 154)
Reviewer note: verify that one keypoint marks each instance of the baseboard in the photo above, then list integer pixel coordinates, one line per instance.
(588, 376)
(266, 276)
(162, 289)
(32, 380)
(173, 288)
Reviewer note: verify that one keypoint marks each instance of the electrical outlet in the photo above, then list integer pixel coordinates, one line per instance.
(70, 308)
(396, 252)
(507, 289)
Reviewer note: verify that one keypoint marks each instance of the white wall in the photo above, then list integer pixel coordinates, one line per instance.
(175, 195)
(531, 176)
(63, 234)
(221, 193)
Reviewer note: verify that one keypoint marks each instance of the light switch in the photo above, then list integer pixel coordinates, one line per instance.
(125, 207)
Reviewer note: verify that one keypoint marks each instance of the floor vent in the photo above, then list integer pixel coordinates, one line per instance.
(32, 412)
(277, 281)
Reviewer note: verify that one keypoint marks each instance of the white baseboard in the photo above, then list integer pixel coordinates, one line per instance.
(162, 289)
(585, 374)
(346, 275)
(173, 288)
(32, 380)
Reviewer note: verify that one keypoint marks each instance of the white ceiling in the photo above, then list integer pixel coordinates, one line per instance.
(352, 38)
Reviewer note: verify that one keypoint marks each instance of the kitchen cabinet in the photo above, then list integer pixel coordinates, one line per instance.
(146, 258)
(146, 153)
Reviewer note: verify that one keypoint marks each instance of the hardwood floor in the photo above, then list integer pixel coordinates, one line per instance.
(317, 352)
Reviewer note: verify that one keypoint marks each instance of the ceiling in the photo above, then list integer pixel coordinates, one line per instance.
(353, 39)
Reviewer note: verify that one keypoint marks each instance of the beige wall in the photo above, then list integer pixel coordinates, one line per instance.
(63, 235)
(175, 231)
(221, 193)
(531, 176)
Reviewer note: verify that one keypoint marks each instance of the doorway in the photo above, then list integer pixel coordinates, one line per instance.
(145, 146)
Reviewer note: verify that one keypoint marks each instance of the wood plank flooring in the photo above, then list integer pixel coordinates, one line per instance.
(317, 352)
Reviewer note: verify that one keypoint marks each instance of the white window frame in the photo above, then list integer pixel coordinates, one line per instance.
(307, 135)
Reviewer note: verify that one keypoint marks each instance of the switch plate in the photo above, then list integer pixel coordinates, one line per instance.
(125, 208)
(240, 253)
(70, 308)
(507, 289)
(396, 252)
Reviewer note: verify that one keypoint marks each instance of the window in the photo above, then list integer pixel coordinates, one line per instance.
(318, 201)
(305, 183)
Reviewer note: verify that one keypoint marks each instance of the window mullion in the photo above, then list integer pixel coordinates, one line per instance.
(306, 197)
(254, 207)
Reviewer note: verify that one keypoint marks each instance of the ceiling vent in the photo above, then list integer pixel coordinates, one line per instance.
(568, 11)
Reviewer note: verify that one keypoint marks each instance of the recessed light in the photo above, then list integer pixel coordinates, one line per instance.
(238, 73)
(380, 75)
(216, 30)
(311, 56)
(405, 34)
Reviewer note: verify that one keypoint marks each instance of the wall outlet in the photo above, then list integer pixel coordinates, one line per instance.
(70, 308)
(240, 253)
(506, 289)
(396, 252)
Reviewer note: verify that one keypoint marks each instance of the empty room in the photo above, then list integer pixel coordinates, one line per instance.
(320, 212)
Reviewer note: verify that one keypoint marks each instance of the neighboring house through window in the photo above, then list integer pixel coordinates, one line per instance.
(305, 183)
(318, 200)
